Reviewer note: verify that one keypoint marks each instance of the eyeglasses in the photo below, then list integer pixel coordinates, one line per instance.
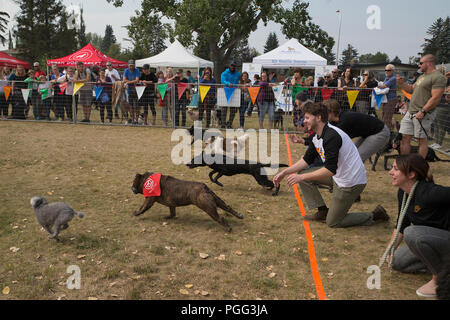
(365, 74)
(387, 70)
(327, 77)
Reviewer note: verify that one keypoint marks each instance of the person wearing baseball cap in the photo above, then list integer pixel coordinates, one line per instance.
(131, 78)
(149, 80)
(37, 70)
(230, 78)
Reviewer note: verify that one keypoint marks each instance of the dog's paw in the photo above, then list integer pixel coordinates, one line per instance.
(136, 213)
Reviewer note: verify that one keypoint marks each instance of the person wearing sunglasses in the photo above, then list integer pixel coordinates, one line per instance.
(426, 94)
(388, 108)
(363, 99)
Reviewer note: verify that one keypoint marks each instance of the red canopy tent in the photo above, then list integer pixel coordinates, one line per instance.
(8, 61)
(90, 56)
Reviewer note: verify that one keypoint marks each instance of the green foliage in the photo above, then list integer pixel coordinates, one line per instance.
(271, 43)
(108, 39)
(147, 33)
(439, 43)
(396, 60)
(82, 40)
(221, 24)
(349, 56)
(378, 57)
(42, 30)
(297, 24)
(95, 39)
(4, 16)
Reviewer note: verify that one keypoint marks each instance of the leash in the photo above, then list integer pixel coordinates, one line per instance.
(420, 122)
(391, 248)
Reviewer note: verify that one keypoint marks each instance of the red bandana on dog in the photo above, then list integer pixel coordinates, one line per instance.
(152, 187)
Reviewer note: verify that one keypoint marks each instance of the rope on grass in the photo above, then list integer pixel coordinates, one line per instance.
(391, 248)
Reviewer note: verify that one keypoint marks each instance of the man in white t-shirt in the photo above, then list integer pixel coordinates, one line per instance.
(114, 75)
(343, 170)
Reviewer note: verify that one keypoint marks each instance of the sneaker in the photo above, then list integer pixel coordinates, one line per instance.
(380, 214)
(320, 215)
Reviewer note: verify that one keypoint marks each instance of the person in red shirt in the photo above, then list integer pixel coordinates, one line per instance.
(37, 70)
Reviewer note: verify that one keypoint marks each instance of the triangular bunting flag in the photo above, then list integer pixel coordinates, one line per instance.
(407, 95)
(44, 93)
(278, 91)
(7, 90)
(253, 91)
(326, 94)
(181, 88)
(229, 93)
(77, 86)
(62, 87)
(140, 91)
(203, 92)
(98, 92)
(26, 94)
(378, 98)
(162, 87)
(194, 101)
(352, 95)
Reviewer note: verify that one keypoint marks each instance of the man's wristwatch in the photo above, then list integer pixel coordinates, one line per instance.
(423, 111)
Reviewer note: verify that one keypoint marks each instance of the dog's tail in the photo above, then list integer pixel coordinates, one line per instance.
(439, 159)
(222, 205)
(79, 214)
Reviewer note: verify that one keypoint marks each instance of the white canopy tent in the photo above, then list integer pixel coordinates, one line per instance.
(290, 55)
(175, 56)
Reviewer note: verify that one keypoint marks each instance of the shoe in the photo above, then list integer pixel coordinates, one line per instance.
(425, 295)
(320, 215)
(380, 214)
(358, 199)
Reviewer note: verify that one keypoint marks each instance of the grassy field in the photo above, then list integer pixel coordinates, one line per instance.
(148, 257)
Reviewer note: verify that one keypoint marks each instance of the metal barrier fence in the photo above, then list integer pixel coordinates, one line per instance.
(180, 104)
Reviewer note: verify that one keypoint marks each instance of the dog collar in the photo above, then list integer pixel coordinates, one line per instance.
(152, 187)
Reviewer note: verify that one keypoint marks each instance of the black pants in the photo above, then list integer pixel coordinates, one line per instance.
(102, 106)
(180, 105)
(3, 106)
(66, 103)
(19, 106)
(145, 102)
(207, 104)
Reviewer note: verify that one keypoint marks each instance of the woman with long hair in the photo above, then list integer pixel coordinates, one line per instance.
(18, 83)
(83, 75)
(210, 99)
(423, 222)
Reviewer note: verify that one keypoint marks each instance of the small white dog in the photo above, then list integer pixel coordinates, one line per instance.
(231, 146)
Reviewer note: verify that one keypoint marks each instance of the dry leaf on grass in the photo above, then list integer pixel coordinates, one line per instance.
(81, 256)
(203, 255)
(189, 285)
(205, 293)
(324, 259)
(184, 292)
(272, 275)
(239, 253)
(312, 295)
(92, 298)
(14, 249)
(221, 257)
(6, 290)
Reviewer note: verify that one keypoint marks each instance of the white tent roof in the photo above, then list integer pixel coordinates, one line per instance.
(175, 56)
(290, 55)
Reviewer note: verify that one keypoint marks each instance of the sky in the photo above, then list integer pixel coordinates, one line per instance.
(402, 28)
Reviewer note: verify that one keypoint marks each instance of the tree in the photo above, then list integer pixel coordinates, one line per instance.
(349, 56)
(147, 33)
(82, 40)
(396, 60)
(42, 29)
(108, 39)
(439, 43)
(4, 19)
(297, 23)
(220, 23)
(271, 43)
(95, 39)
(10, 41)
(378, 57)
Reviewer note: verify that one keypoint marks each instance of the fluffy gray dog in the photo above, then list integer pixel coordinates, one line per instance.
(57, 215)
